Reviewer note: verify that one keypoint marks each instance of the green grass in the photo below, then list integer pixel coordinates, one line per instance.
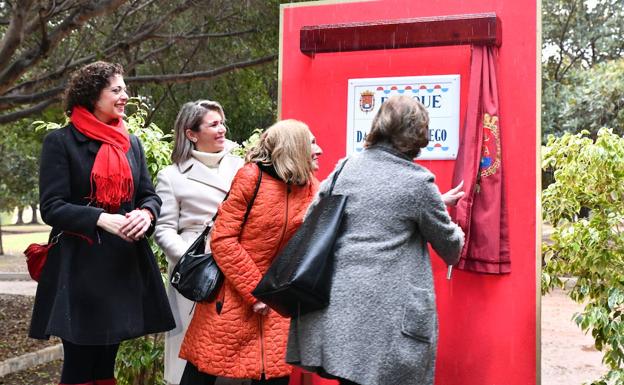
(17, 243)
(6, 218)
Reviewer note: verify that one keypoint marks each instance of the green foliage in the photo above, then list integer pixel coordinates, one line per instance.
(163, 39)
(42, 125)
(140, 360)
(248, 143)
(594, 98)
(249, 98)
(589, 176)
(577, 36)
(20, 148)
(580, 34)
(156, 144)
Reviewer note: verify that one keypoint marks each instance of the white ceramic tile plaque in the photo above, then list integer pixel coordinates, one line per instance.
(439, 94)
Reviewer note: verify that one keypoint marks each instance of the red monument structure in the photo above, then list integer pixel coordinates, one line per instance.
(475, 66)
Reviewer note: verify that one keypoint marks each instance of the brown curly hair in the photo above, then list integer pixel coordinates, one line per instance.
(86, 84)
(402, 122)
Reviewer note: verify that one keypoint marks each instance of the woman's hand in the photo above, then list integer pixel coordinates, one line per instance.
(138, 222)
(261, 307)
(452, 196)
(113, 223)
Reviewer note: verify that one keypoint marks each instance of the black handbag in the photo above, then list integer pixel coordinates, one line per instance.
(196, 275)
(299, 278)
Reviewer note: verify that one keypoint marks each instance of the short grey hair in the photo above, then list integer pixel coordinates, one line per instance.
(403, 122)
(190, 118)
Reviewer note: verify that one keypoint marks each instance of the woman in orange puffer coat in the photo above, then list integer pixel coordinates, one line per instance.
(237, 336)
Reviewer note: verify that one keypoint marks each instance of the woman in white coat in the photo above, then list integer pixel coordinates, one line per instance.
(191, 190)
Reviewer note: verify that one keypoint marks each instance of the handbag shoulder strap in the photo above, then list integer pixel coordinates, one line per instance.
(335, 177)
(253, 198)
(249, 205)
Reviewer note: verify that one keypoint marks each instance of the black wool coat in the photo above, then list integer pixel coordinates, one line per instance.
(103, 292)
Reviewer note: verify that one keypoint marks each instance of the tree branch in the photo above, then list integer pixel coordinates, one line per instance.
(152, 113)
(561, 42)
(15, 32)
(148, 31)
(27, 86)
(7, 101)
(140, 35)
(117, 26)
(74, 21)
(199, 75)
(140, 7)
(564, 71)
(13, 116)
(203, 35)
(151, 53)
(57, 9)
(54, 93)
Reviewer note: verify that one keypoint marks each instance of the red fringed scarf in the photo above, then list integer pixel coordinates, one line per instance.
(111, 171)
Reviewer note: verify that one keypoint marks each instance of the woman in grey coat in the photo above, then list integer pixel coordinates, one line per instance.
(380, 327)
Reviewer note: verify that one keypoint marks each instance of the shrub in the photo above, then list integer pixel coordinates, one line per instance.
(589, 178)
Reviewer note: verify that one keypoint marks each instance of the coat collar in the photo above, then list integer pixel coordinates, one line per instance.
(195, 170)
(93, 145)
(269, 169)
(390, 149)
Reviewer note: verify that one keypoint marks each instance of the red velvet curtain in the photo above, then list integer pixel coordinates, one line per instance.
(482, 213)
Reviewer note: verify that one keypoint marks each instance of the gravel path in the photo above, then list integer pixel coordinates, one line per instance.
(568, 355)
(18, 287)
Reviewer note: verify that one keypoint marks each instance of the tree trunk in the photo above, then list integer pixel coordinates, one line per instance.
(20, 212)
(33, 207)
(1, 246)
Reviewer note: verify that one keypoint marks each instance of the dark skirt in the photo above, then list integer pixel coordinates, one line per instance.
(100, 294)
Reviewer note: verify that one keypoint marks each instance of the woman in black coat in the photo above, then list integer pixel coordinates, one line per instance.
(100, 284)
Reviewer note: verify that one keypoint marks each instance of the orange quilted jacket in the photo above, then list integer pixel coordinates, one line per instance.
(238, 342)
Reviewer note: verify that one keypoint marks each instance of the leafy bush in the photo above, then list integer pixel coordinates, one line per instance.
(591, 99)
(589, 177)
(141, 360)
(248, 144)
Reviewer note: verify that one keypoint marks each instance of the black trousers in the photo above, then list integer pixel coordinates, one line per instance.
(192, 376)
(86, 363)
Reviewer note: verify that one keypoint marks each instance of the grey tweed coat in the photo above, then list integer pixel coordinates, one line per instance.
(381, 325)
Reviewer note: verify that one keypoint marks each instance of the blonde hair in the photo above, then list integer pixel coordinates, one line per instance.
(286, 146)
(190, 118)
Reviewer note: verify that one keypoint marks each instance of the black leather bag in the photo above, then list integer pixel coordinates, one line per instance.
(299, 279)
(196, 275)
